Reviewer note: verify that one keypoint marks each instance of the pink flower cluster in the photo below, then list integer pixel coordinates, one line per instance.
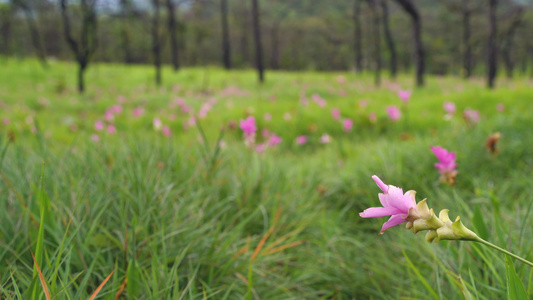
(447, 164)
(393, 112)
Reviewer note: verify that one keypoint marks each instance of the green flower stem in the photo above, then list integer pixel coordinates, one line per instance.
(482, 241)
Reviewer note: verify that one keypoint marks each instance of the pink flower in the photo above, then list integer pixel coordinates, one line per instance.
(260, 148)
(347, 124)
(116, 109)
(318, 100)
(287, 116)
(157, 123)
(274, 140)
(404, 95)
(99, 125)
(372, 117)
(300, 140)
(341, 79)
(268, 117)
(471, 116)
(304, 101)
(449, 107)
(325, 139)
(446, 164)
(363, 103)
(5, 121)
(95, 138)
(394, 112)
(500, 107)
(109, 115)
(446, 159)
(336, 113)
(248, 126)
(111, 129)
(395, 204)
(121, 99)
(166, 131)
(137, 112)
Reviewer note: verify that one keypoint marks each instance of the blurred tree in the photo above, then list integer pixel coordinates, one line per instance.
(6, 16)
(26, 7)
(257, 39)
(126, 7)
(226, 49)
(410, 9)
(156, 40)
(377, 40)
(86, 45)
(358, 36)
(492, 57)
(515, 16)
(393, 64)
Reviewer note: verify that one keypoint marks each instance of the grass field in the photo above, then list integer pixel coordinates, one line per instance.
(191, 212)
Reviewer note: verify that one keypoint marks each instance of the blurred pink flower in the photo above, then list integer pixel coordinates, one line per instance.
(109, 115)
(304, 100)
(116, 109)
(318, 100)
(166, 131)
(363, 103)
(395, 203)
(500, 107)
(446, 159)
(273, 98)
(300, 140)
(347, 124)
(95, 137)
(471, 116)
(268, 117)
(449, 107)
(121, 99)
(185, 108)
(336, 113)
(265, 132)
(274, 140)
(394, 112)
(99, 125)
(404, 95)
(342, 93)
(325, 139)
(157, 123)
(341, 79)
(137, 112)
(5, 121)
(372, 117)
(248, 126)
(260, 148)
(111, 129)
(287, 116)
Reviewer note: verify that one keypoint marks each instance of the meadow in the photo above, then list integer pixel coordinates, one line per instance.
(157, 186)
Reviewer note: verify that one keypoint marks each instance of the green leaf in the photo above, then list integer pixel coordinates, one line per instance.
(132, 285)
(479, 223)
(515, 287)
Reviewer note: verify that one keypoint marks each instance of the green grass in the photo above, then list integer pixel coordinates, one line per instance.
(182, 218)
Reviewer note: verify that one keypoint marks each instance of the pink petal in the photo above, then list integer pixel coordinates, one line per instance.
(376, 212)
(393, 221)
(380, 183)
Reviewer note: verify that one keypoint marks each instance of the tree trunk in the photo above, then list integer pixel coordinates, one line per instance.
(410, 9)
(156, 42)
(81, 78)
(492, 57)
(125, 34)
(508, 46)
(358, 36)
(257, 40)
(226, 50)
(467, 54)
(377, 41)
(5, 29)
(172, 31)
(245, 25)
(34, 33)
(393, 64)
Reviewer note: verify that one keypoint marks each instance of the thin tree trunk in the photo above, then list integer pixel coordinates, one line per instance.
(358, 36)
(393, 62)
(81, 78)
(257, 39)
(245, 52)
(172, 31)
(508, 46)
(410, 9)
(377, 41)
(125, 39)
(35, 36)
(274, 51)
(492, 57)
(156, 42)
(467, 54)
(5, 30)
(226, 50)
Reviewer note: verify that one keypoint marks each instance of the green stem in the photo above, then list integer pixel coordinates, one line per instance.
(482, 241)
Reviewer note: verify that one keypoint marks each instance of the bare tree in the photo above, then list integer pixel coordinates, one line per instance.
(85, 46)
(257, 39)
(508, 38)
(156, 41)
(412, 11)
(377, 40)
(393, 60)
(358, 36)
(226, 50)
(492, 57)
(125, 32)
(25, 6)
